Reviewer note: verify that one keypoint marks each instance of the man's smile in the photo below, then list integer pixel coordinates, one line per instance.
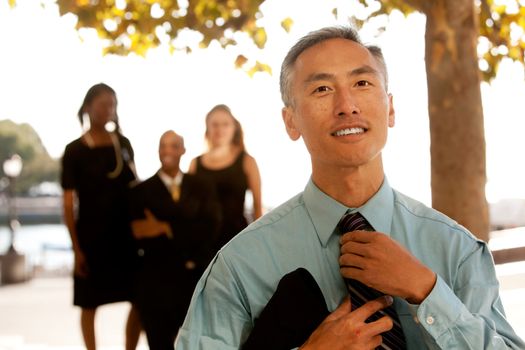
(349, 131)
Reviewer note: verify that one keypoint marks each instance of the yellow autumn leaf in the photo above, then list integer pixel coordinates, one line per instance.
(240, 61)
(259, 67)
(259, 37)
(287, 24)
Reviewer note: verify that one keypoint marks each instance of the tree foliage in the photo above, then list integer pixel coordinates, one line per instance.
(22, 139)
(135, 26)
(501, 28)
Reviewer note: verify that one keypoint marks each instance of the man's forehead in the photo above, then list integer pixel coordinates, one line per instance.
(321, 58)
(171, 136)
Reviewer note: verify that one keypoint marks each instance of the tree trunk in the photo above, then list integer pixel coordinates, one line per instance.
(456, 115)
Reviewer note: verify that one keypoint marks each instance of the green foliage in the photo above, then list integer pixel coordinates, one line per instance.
(22, 139)
(501, 28)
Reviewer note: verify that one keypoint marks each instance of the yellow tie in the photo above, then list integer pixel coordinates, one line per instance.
(175, 192)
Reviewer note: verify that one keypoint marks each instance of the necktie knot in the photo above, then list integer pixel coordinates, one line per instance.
(354, 222)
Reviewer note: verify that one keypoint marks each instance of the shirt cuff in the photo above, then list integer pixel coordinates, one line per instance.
(439, 311)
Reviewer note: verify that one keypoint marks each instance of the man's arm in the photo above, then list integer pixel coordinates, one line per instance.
(469, 316)
(218, 317)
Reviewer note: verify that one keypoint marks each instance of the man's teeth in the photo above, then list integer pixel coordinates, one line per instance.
(349, 131)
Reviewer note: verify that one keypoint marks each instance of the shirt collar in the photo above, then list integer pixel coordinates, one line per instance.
(170, 181)
(326, 212)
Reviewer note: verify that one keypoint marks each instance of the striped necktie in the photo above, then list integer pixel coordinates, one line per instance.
(360, 293)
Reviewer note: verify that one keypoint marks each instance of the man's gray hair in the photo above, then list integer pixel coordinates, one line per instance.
(314, 38)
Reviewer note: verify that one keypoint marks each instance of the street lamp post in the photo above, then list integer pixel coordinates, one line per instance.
(13, 266)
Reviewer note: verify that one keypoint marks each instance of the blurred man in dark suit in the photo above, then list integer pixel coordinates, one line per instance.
(174, 219)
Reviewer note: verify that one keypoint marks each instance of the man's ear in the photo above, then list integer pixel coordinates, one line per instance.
(289, 122)
(391, 111)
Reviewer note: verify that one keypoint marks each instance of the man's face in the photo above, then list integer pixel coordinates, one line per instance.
(340, 105)
(171, 148)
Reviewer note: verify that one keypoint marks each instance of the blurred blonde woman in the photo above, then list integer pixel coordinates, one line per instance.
(231, 169)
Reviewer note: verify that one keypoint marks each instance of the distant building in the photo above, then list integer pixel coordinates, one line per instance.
(507, 213)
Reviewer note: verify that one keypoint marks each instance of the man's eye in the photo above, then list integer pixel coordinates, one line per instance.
(322, 89)
(363, 83)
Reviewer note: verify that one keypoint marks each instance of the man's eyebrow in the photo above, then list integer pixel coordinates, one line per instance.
(319, 76)
(365, 69)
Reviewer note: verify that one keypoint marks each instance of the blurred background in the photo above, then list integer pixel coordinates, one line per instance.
(169, 81)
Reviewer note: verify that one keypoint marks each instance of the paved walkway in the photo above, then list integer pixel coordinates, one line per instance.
(38, 315)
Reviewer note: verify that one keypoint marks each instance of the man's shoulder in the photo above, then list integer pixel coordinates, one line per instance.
(150, 182)
(279, 218)
(418, 212)
(279, 215)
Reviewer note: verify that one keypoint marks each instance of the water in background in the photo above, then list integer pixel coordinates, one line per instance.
(47, 247)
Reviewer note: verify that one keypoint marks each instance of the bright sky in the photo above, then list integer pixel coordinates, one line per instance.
(46, 69)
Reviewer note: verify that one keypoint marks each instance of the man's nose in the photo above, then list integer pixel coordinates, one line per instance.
(345, 103)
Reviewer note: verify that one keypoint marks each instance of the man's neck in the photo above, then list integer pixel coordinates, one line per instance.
(351, 186)
(171, 172)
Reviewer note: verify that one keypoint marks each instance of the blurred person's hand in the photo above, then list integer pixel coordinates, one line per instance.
(81, 267)
(150, 227)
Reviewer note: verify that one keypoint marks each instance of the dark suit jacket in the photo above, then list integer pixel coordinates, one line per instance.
(294, 311)
(194, 220)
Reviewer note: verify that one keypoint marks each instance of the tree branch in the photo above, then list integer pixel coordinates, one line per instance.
(422, 6)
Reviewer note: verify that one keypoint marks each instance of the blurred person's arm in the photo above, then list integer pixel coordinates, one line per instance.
(143, 223)
(150, 227)
(254, 184)
(193, 167)
(80, 268)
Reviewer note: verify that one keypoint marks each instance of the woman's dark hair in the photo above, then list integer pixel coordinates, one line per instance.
(92, 93)
(238, 137)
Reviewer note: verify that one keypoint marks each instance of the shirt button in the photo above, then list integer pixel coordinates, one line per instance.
(416, 320)
(140, 252)
(430, 320)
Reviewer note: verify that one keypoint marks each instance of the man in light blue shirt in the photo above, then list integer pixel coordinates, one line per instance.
(442, 279)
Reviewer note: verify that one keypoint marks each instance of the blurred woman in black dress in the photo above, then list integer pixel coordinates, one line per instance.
(232, 170)
(97, 170)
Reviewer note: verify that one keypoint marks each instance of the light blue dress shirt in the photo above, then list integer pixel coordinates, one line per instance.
(463, 311)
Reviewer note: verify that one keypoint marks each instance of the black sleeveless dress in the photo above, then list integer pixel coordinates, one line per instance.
(102, 223)
(231, 184)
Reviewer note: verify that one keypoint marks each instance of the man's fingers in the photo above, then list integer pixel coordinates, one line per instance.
(351, 247)
(352, 260)
(371, 307)
(341, 311)
(375, 342)
(358, 236)
(384, 324)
